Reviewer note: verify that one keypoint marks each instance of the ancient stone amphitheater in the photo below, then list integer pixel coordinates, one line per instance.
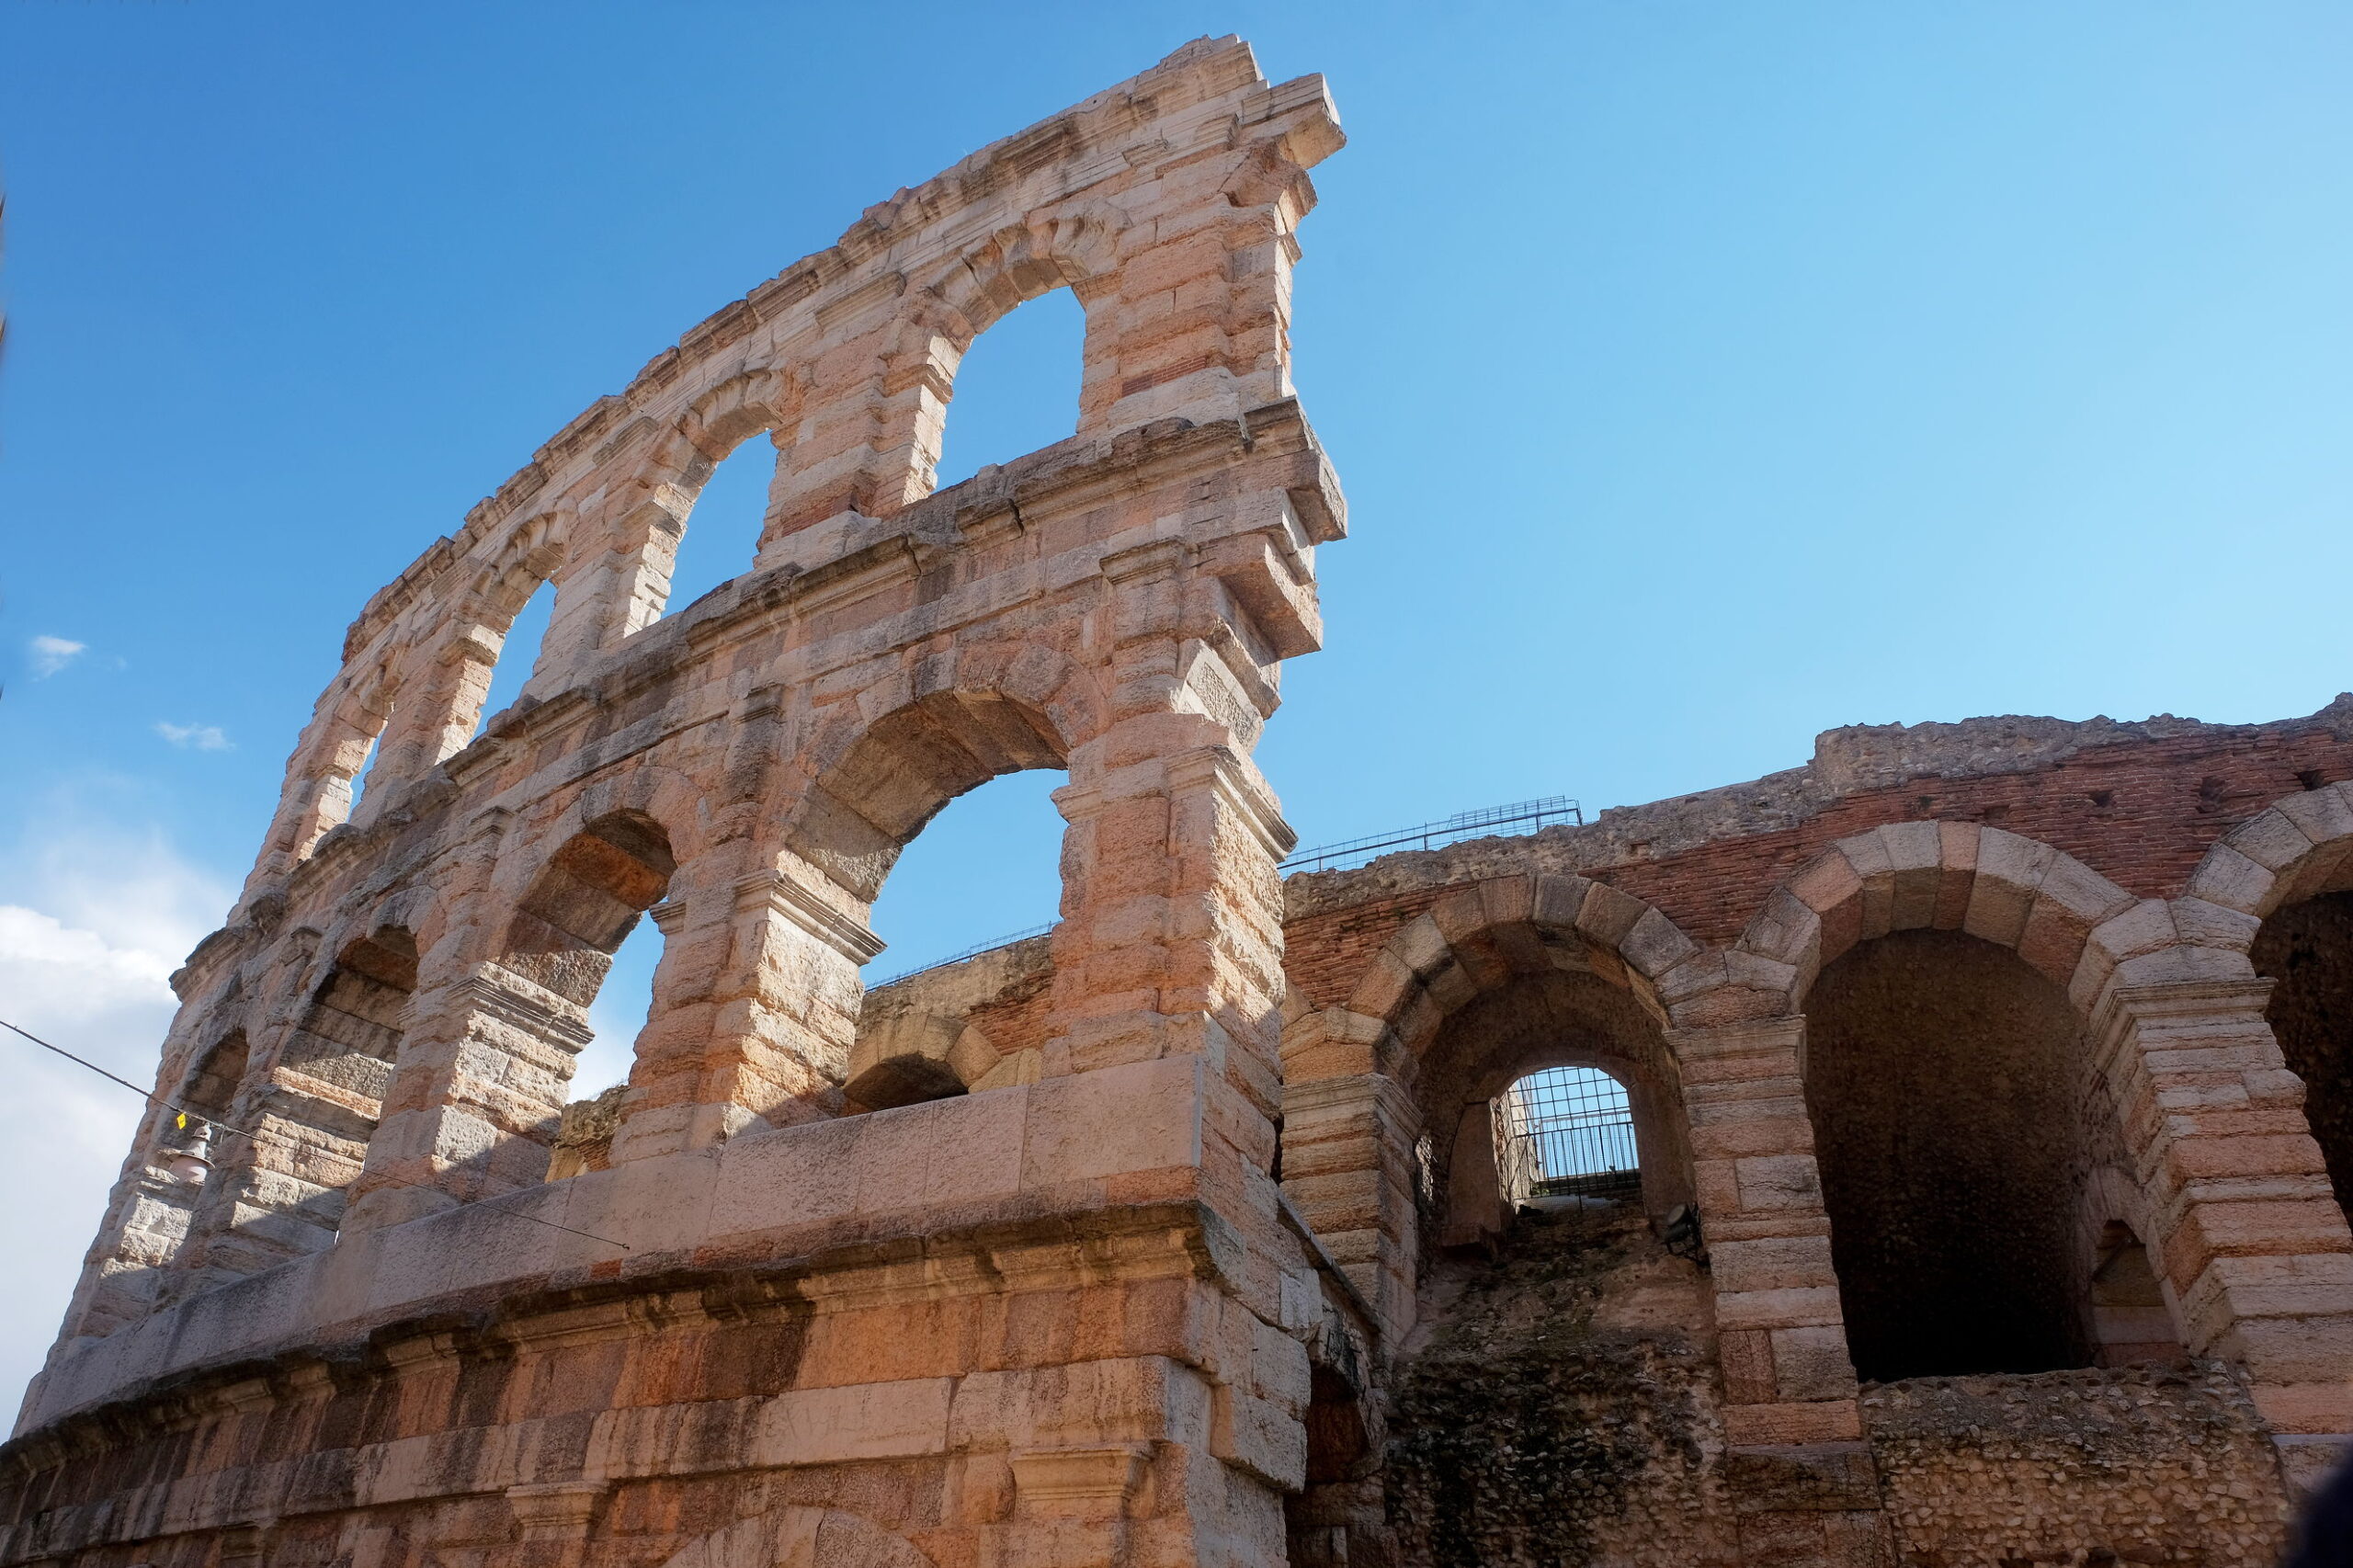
(1987, 1082)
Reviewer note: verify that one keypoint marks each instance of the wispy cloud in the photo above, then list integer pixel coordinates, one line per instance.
(94, 917)
(52, 654)
(195, 737)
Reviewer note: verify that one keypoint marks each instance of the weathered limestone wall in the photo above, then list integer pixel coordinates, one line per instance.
(1025, 1296)
(950, 1302)
(1179, 1235)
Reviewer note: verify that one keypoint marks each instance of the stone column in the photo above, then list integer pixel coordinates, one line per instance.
(1171, 935)
(484, 1072)
(1803, 1480)
(866, 444)
(1349, 1168)
(756, 1009)
(2253, 1247)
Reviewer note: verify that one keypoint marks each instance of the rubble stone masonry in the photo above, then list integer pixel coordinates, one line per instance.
(2004, 1063)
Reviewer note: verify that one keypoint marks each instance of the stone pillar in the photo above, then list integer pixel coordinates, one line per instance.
(474, 1106)
(316, 796)
(869, 438)
(755, 1009)
(1803, 1480)
(1349, 1168)
(148, 1216)
(615, 580)
(1074, 1505)
(1200, 316)
(440, 706)
(2252, 1243)
(1171, 936)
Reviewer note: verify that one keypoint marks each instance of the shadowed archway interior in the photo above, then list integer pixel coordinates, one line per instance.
(1941, 1075)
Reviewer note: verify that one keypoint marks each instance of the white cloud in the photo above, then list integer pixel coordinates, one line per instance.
(59, 971)
(52, 654)
(93, 920)
(199, 737)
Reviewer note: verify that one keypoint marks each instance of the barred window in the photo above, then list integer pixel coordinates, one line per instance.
(1575, 1133)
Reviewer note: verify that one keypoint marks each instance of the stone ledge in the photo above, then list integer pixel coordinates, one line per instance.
(1006, 1155)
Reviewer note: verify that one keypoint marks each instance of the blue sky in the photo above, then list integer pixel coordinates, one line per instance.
(1701, 375)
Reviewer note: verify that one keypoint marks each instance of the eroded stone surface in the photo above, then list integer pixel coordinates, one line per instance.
(1192, 1231)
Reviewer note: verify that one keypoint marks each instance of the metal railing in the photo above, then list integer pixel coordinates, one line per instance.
(1578, 1127)
(1520, 817)
(991, 945)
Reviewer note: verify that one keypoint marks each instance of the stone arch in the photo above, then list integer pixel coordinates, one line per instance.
(531, 553)
(800, 1537)
(215, 1077)
(1955, 1110)
(2278, 891)
(754, 403)
(2039, 936)
(721, 419)
(308, 1115)
(869, 786)
(585, 897)
(187, 1141)
(1021, 261)
(1477, 1199)
(1530, 972)
(1476, 936)
(974, 291)
(448, 664)
(917, 1056)
(2069, 922)
(620, 580)
(2293, 849)
(2135, 1314)
(326, 773)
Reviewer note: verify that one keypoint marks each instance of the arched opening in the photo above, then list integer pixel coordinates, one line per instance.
(579, 933)
(367, 765)
(908, 767)
(1943, 1076)
(623, 1005)
(902, 1080)
(1549, 1090)
(1567, 1132)
(981, 875)
(1016, 387)
(212, 1089)
(2306, 950)
(585, 901)
(187, 1143)
(986, 870)
(350, 752)
(519, 652)
(2131, 1322)
(722, 531)
(280, 1193)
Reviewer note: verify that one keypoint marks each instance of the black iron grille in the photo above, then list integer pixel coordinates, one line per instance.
(1577, 1123)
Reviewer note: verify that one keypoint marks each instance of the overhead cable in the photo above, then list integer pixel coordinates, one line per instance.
(219, 1126)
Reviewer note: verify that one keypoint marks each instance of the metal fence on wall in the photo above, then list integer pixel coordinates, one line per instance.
(1577, 1123)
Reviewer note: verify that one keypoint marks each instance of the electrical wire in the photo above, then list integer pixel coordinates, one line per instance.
(219, 1126)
